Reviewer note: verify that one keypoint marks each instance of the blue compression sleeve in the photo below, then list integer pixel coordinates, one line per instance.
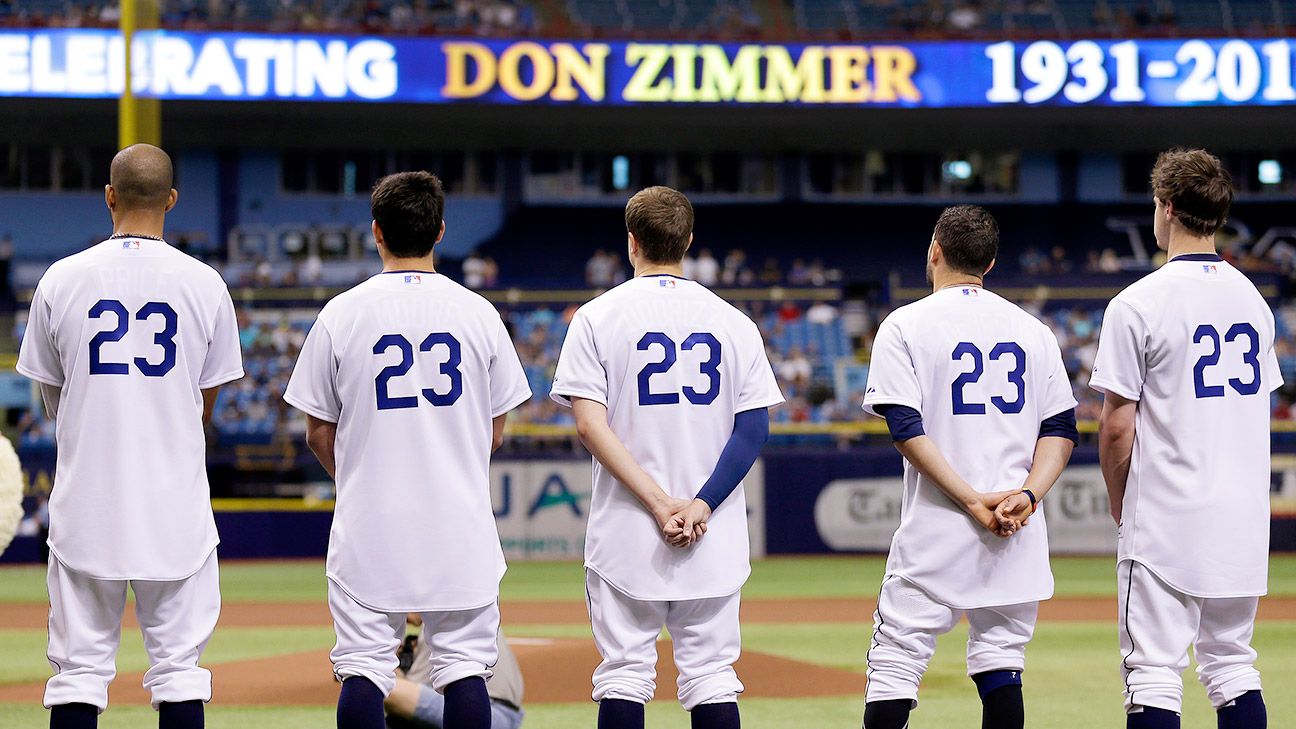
(751, 430)
(903, 421)
(1062, 425)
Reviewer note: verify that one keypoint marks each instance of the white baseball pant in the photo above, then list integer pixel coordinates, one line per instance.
(176, 617)
(1158, 623)
(706, 640)
(462, 641)
(908, 621)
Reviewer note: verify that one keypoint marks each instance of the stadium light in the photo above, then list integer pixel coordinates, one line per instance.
(957, 169)
(1270, 172)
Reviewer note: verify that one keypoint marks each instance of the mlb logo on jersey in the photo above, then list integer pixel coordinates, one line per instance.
(971, 292)
(413, 278)
(1209, 268)
(130, 245)
(666, 283)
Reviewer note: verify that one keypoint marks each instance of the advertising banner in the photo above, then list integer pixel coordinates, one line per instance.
(89, 63)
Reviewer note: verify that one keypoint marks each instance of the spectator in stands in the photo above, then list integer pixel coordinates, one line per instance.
(788, 312)
(735, 271)
(799, 274)
(312, 269)
(603, 270)
(474, 271)
(706, 269)
(1032, 261)
(795, 369)
(771, 274)
(1058, 263)
(821, 312)
(964, 17)
(1109, 262)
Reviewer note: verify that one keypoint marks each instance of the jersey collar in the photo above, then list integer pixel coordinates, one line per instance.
(1212, 257)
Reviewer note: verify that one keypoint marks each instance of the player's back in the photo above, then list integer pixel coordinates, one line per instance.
(984, 374)
(132, 331)
(677, 363)
(987, 377)
(422, 366)
(1200, 362)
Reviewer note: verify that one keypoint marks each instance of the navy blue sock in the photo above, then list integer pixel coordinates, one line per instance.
(1152, 718)
(360, 706)
(1245, 712)
(892, 714)
(620, 714)
(74, 716)
(467, 705)
(180, 715)
(1001, 699)
(716, 716)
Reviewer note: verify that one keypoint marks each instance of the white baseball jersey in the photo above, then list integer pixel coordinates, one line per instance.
(673, 363)
(1193, 343)
(984, 374)
(412, 367)
(132, 331)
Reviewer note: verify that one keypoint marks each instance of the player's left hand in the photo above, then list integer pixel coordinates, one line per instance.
(1016, 509)
(688, 525)
(982, 508)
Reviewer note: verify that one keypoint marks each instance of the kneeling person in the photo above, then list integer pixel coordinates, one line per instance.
(414, 704)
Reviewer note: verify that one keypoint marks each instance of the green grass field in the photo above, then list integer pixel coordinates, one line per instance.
(1071, 678)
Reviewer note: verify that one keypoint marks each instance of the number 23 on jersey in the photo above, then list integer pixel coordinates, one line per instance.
(669, 355)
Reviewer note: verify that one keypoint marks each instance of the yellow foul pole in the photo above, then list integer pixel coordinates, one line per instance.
(138, 119)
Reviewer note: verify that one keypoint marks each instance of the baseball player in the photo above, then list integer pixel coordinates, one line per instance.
(413, 704)
(977, 401)
(406, 380)
(671, 391)
(1186, 363)
(130, 341)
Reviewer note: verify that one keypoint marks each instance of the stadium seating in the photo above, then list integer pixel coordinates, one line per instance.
(808, 19)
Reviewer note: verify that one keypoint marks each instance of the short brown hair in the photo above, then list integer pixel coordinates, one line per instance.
(1197, 185)
(968, 237)
(409, 208)
(661, 219)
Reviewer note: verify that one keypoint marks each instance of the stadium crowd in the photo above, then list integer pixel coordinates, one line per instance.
(818, 351)
(725, 19)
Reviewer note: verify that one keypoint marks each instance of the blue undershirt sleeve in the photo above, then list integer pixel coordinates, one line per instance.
(1062, 425)
(751, 430)
(903, 421)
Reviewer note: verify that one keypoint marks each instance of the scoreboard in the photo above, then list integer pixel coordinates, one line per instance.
(78, 63)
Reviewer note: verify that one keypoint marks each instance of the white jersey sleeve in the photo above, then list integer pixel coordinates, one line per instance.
(1272, 372)
(38, 357)
(312, 388)
(892, 379)
(224, 361)
(508, 382)
(1057, 396)
(759, 390)
(580, 372)
(1120, 366)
